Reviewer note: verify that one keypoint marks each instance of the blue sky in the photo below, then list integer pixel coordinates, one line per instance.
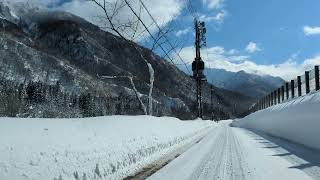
(276, 37)
(275, 25)
(282, 36)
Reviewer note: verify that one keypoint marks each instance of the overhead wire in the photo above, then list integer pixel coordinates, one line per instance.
(166, 38)
(172, 48)
(149, 32)
(191, 9)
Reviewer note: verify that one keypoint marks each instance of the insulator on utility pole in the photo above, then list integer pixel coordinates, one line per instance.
(198, 64)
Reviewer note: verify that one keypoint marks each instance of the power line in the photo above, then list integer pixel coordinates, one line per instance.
(191, 9)
(144, 25)
(164, 35)
(209, 67)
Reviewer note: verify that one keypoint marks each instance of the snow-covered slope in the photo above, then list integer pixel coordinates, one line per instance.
(6, 12)
(106, 147)
(53, 46)
(297, 120)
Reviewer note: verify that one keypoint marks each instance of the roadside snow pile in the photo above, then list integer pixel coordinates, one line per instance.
(297, 120)
(91, 148)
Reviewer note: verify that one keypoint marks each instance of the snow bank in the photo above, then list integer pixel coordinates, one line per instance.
(297, 120)
(90, 148)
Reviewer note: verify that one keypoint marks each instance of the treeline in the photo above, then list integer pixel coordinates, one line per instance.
(38, 99)
(41, 100)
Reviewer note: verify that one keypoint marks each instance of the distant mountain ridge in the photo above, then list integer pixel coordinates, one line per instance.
(252, 85)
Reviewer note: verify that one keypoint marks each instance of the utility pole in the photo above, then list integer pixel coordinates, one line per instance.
(198, 64)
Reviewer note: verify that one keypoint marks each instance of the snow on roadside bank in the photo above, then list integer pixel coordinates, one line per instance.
(297, 120)
(90, 148)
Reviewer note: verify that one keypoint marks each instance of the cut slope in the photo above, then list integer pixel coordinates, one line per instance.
(296, 120)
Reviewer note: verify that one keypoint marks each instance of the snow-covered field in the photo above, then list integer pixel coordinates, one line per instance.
(90, 148)
(297, 120)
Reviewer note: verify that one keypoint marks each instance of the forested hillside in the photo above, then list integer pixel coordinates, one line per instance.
(58, 49)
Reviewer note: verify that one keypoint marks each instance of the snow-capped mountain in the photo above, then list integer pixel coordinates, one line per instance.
(51, 47)
(7, 13)
(245, 83)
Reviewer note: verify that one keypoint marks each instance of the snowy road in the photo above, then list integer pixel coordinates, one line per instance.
(238, 154)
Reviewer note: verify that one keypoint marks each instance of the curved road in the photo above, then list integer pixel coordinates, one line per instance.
(236, 154)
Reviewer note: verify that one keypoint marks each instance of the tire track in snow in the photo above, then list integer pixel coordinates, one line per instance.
(229, 153)
(214, 159)
(226, 160)
(239, 159)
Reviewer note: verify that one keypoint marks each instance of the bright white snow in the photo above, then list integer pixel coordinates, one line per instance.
(115, 147)
(229, 153)
(297, 120)
(95, 148)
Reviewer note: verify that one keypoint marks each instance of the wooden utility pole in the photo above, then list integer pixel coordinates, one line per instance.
(198, 64)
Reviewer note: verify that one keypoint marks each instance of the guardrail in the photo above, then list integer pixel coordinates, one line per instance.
(300, 86)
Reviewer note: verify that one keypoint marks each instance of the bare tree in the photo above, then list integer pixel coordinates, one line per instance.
(144, 109)
(120, 28)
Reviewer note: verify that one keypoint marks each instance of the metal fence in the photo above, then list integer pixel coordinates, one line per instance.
(297, 87)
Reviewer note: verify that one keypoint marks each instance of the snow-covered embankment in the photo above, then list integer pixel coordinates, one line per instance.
(90, 148)
(297, 120)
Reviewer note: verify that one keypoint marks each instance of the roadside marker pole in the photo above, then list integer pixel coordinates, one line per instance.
(316, 77)
(307, 81)
(299, 85)
(292, 88)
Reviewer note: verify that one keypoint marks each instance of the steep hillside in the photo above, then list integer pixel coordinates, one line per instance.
(53, 47)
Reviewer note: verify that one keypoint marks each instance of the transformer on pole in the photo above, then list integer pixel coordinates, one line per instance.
(198, 64)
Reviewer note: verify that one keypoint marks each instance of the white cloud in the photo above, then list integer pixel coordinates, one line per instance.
(252, 47)
(183, 32)
(308, 31)
(219, 17)
(217, 50)
(162, 11)
(232, 51)
(43, 3)
(219, 58)
(238, 58)
(213, 4)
